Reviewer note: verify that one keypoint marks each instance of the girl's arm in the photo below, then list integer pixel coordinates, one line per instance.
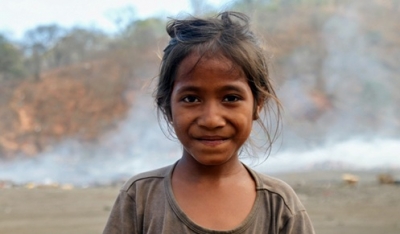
(122, 219)
(299, 223)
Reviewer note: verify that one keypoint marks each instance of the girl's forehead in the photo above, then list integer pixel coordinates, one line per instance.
(210, 62)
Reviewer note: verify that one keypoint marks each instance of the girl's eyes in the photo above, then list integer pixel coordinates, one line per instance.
(190, 99)
(231, 98)
(228, 98)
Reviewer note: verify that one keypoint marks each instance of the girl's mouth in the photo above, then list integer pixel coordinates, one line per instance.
(212, 140)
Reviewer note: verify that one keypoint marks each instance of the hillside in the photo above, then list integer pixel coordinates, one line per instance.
(81, 101)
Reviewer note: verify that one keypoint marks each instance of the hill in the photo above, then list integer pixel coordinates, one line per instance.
(82, 100)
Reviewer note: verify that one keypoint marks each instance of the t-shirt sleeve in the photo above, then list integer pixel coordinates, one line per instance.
(299, 223)
(122, 219)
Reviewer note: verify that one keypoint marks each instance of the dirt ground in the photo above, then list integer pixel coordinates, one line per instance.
(334, 207)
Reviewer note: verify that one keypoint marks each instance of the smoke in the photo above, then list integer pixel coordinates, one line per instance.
(359, 93)
(360, 131)
(358, 80)
(137, 145)
(117, 160)
(354, 154)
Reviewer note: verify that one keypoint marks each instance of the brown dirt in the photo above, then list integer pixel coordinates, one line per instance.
(82, 101)
(333, 206)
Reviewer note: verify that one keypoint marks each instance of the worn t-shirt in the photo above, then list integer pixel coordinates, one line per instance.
(146, 204)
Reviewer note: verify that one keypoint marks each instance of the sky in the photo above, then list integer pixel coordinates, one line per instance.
(17, 16)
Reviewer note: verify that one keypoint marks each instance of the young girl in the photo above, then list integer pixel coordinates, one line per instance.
(213, 84)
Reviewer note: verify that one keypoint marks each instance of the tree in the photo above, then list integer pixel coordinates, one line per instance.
(77, 45)
(145, 33)
(38, 42)
(10, 60)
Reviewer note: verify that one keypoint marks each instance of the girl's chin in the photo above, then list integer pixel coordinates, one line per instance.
(212, 160)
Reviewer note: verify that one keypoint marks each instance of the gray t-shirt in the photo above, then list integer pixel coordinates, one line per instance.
(146, 204)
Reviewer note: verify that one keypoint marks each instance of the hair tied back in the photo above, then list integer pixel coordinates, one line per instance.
(225, 19)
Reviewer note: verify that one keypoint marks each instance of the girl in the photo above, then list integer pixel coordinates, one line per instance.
(213, 84)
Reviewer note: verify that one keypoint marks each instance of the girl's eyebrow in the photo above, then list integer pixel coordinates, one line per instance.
(187, 88)
(232, 87)
(225, 88)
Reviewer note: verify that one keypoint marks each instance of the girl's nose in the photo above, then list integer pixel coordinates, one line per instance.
(211, 116)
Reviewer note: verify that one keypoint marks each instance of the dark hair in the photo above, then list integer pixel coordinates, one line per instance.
(227, 34)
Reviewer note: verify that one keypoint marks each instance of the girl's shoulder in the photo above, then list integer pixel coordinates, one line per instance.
(272, 184)
(148, 177)
(277, 190)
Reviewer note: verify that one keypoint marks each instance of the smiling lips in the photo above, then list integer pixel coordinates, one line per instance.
(212, 140)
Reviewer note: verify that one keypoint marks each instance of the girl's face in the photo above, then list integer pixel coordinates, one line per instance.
(212, 109)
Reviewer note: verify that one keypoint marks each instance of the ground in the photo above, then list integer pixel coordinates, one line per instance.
(333, 206)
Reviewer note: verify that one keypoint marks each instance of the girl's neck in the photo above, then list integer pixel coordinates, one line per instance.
(189, 169)
(215, 197)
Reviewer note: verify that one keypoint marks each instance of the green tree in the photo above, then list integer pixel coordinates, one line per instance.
(39, 41)
(10, 60)
(145, 33)
(77, 45)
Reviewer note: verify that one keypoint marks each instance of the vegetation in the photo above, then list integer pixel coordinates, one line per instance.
(10, 60)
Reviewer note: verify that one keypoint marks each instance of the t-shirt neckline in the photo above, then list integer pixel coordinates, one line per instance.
(199, 229)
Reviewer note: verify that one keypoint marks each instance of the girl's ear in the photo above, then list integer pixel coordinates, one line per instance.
(257, 111)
